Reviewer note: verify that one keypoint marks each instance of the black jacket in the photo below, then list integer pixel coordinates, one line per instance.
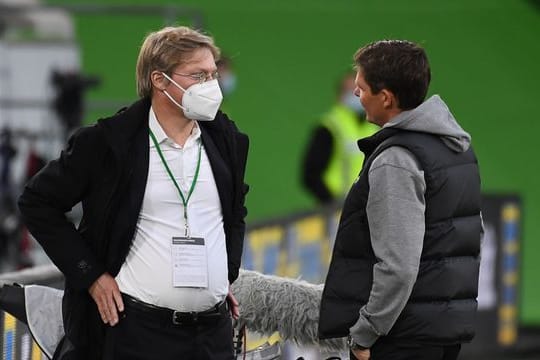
(441, 307)
(105, 167)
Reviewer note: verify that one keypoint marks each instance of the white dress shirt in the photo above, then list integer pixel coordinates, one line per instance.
(147, 273)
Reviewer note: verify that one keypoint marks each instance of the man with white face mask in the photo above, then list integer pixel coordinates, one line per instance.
(162, 187)
(332, 159)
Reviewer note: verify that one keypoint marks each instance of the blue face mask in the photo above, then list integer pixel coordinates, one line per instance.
(353, 102)
(227, 83)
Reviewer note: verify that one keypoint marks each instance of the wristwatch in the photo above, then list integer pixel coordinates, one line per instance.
(354, 346)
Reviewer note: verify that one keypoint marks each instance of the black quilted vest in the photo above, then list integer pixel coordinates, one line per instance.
(443, 303)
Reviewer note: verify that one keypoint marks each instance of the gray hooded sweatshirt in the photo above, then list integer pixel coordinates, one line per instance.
(395, 212)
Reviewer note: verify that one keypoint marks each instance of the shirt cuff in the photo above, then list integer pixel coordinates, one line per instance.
(362, 332)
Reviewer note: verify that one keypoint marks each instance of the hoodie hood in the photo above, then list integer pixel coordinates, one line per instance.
(433, 117)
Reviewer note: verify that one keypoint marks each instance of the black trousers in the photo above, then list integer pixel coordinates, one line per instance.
(139, 337)
(386, 349)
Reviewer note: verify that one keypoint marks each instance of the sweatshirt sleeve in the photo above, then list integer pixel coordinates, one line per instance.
(395, 212)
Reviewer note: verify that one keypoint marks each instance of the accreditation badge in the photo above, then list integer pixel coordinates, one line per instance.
(189, 262)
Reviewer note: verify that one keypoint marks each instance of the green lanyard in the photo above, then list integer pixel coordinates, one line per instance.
(195, 177)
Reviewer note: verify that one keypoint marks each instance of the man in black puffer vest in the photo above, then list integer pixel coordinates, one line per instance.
(403, 279)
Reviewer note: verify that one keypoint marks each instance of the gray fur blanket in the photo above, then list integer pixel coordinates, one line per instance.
(290, 306)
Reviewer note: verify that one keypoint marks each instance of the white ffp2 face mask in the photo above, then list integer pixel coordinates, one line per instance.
(200, 101)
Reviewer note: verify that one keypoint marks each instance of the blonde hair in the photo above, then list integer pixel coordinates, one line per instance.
(165, 49)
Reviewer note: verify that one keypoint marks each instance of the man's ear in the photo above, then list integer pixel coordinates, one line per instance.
(158, 80)
(389, 99)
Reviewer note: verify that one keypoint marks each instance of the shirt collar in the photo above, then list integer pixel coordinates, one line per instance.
(160, 134)
(156, 128)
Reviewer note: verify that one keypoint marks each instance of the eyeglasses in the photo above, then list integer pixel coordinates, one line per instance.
(200, 77)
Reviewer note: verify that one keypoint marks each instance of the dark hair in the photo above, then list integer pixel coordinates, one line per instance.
(396, 65)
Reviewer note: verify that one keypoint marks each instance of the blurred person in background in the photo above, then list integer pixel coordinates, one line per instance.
(227, 77)
(227, 80)
(162, 189)
(403, 279)
(332, 159)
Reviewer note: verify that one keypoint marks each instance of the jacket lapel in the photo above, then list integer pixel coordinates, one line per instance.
(127, 133)
(222, 174)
